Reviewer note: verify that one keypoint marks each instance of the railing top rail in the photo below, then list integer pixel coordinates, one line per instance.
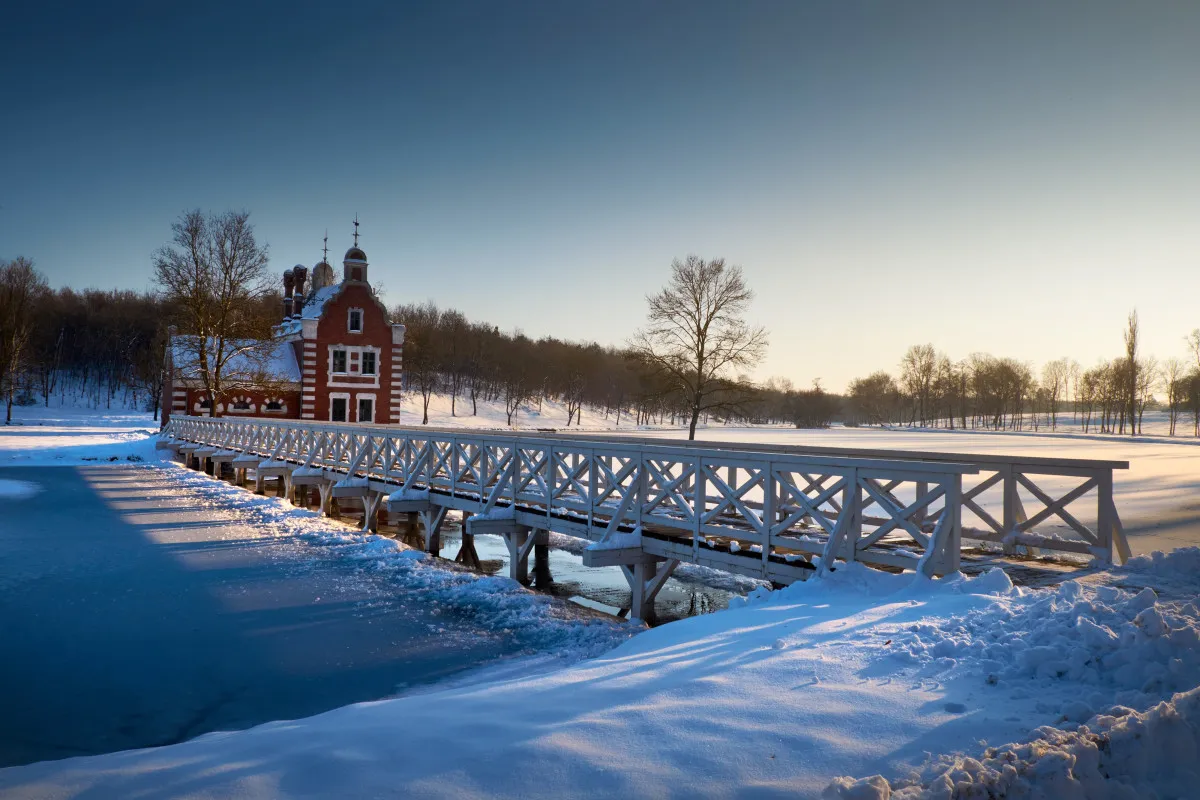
(732, 451)
(863, 452)
(980, 460)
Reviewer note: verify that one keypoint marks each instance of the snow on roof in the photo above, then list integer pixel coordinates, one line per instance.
(316, 303)
(273, 360)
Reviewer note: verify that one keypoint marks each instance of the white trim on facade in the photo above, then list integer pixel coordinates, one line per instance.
(360, 349)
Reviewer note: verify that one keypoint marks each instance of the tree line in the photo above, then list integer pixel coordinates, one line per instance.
(688, 363)
(94, 348)
(985, 392)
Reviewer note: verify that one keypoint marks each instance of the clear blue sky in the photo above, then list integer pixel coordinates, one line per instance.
(1010, 177)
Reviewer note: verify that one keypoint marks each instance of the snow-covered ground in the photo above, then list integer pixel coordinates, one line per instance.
(861, 673)
(1086, 690)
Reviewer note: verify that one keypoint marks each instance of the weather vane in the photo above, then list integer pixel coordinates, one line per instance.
(325, 256)
(356, 230)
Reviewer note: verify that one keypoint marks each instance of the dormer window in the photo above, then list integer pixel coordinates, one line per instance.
(355, 323)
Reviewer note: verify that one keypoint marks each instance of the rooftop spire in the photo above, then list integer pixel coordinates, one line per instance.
(356, 230)
(325, 254)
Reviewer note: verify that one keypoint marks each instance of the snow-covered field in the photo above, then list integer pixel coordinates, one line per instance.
(1087, 690)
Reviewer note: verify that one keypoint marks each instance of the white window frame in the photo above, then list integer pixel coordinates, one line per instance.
(361, 321)
(358, 398)
(338, 349)
(340, 396)
(340, 379)
(363, 352)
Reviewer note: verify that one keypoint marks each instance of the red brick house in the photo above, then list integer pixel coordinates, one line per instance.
(334, 356)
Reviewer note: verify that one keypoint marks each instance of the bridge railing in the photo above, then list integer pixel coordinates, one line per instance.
(768, 506)
(1069, 500)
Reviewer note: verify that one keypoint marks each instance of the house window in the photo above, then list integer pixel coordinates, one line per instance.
(337, 409)
(339, 360)
(368, 363)
(355, 325)
(366, 409)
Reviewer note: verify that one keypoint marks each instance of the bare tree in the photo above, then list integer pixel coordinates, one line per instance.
(1131, 360)
(21, 286)
(1174, 377)
(1055, 376)
(696, 334)
(422, 350)
(1193, 346)
(212, 276)
(918, 370)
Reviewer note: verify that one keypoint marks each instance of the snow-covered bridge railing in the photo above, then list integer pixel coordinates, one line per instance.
(645, 505)
(1077, 511)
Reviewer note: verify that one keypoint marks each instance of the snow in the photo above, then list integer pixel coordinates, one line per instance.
(315, 305)
(409, 494)
(17, 490)
(618, 540)
(497, 513)
(858, 673)
(279, 362)
(855, 684)
(65, 436)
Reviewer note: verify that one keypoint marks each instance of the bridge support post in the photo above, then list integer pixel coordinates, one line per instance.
(468, 556)
(520, 542)
(431, 526)
(541, 560)
(646, 578)
(370, 503)
(326, 492)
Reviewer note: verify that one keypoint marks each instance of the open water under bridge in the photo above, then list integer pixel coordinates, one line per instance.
(779, 514)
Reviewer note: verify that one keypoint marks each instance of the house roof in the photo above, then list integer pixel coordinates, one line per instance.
(273, 360)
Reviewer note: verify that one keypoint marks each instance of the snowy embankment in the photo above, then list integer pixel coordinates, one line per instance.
(859, 673)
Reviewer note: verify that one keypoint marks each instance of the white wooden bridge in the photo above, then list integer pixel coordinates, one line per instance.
(777, 513)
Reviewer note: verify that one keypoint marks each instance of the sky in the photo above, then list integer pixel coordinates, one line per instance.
(1003, 177)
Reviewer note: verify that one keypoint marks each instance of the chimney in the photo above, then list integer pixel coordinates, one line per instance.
(300, 273)
(288, 283)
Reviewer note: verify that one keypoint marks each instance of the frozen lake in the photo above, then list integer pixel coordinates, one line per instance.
(133, 615)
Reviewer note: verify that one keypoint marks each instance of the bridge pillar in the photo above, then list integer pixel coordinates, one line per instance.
(325, 490)
(646, 578)
(521, 541)
(431, 525)
(541, 560)
(468, 556)
(370, 503)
